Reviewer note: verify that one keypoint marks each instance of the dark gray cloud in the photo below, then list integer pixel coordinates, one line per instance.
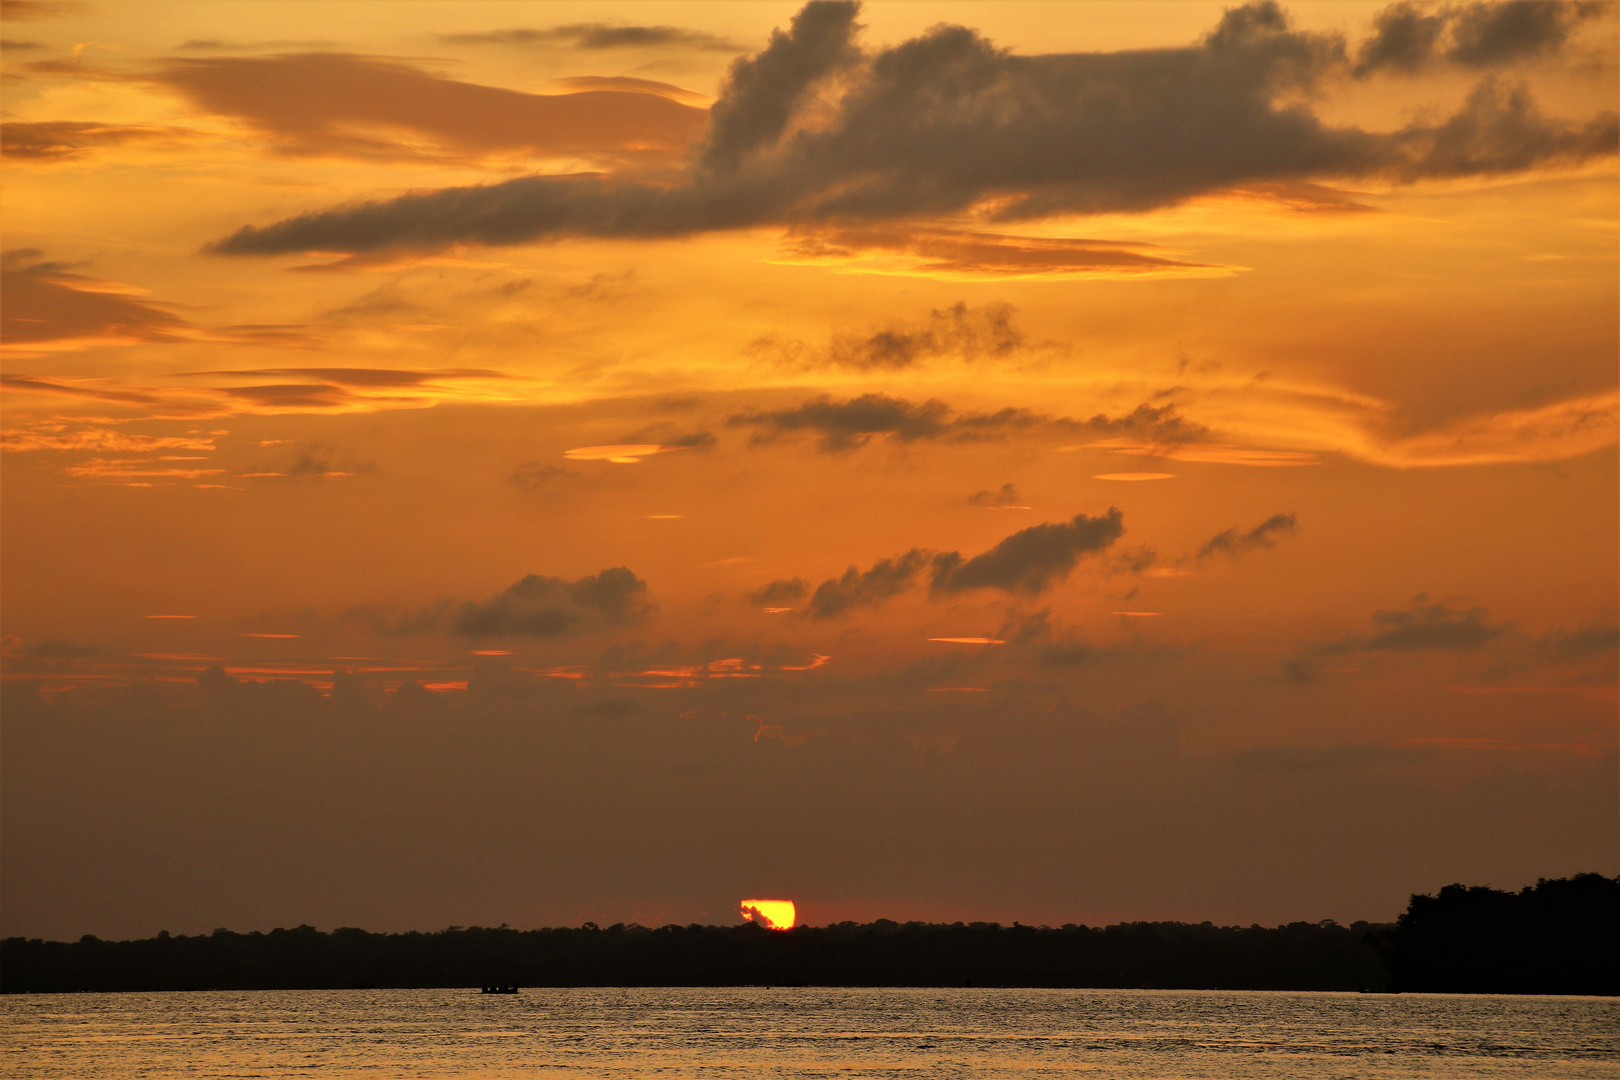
(1424, 626)
(947, 122)
(1026, 564)
(1158, 424)
(306, 461)
(1030, 560)
(763, 92)
(1263, 535)
(887, 578)
(546, 478)
(547, 607)
(1599, 639)
(985, 333)
(1410, 37)
(599, 36)
(1007, 496)
(666, 434)
(781, 593)
(846, 425)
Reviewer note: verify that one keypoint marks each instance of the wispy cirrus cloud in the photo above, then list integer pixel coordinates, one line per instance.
(49, 309)
(965, 255)
(599, 37)
(348, 105)
(49, 141)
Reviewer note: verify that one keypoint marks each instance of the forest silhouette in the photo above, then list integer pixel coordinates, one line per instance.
(1558, 937)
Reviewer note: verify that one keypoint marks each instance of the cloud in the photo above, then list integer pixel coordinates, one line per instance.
(102, 439)
(887, 578)
(137, 472)
(48, 309)
(574, 84)
(985, 333)
(30, 10)
(366, 377)
(781, 593)
(373, 107)
(847, 425)
(1008, 498)
(312, 461)
(63, 140)
(548, 607)
(297, 396)
(1263, 535)
(1563, 429)
(600, 36)
(281, 44)
(1411, 37)
(1598, 639)
(32, 384)
(540, 478)
(1423, 627)
(1189, 448)
(1030, 560)
(762, 92)
(666, 437)
(948, 124)
(962, 255)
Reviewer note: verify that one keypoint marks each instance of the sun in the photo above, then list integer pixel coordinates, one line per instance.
(771, 914)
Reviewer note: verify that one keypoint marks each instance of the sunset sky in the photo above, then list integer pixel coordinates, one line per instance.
(534, 462)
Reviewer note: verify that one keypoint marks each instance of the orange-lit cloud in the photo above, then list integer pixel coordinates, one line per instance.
(619, 453)
(959, 255)
(63, 140)
(1215, 453)
(381, 108)
(1133, 476)
(771, 914)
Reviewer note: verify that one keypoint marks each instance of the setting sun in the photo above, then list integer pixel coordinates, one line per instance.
(771, 914)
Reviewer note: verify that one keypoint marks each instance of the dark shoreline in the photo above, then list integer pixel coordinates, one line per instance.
(1559, 937)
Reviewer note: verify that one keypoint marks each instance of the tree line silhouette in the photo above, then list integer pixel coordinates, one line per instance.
(1557, 937)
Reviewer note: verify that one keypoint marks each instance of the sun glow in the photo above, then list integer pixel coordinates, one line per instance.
(771, 914)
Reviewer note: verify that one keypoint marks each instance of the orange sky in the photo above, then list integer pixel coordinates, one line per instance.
(1047, 461)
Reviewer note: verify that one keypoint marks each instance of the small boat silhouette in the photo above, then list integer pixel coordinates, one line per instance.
(499, 990)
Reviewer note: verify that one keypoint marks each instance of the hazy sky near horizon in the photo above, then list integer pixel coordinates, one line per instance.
(532, 462)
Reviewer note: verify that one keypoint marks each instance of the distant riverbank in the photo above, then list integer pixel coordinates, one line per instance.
(1557, 937)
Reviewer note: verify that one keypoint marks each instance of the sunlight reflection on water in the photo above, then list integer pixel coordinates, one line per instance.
(758, 1032)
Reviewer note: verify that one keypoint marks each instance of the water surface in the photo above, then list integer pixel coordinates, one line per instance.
(817, 1032)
